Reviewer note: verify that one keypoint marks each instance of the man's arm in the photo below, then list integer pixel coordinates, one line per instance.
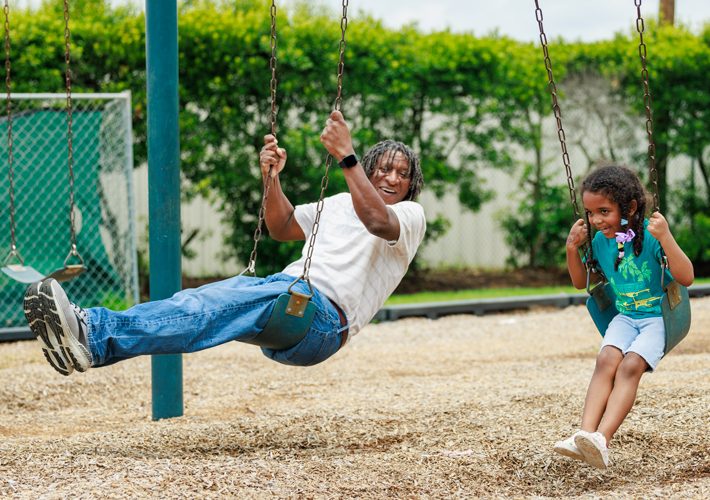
(279, 214)
(369, 206)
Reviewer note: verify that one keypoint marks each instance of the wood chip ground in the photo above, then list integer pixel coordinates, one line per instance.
(460, 407)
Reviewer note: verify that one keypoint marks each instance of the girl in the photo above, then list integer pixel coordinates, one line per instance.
(627, 248)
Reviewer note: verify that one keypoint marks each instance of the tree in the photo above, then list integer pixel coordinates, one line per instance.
(666, 12)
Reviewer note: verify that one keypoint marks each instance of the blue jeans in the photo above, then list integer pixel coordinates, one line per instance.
(195, 319)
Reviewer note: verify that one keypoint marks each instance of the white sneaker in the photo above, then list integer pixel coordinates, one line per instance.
(593, 447)
(569, 449)
(34, 315)
(68, 321)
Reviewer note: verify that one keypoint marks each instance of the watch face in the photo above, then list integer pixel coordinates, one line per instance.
(349, 161)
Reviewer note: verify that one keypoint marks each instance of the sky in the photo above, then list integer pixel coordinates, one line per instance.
(572, 19)
(583, 20)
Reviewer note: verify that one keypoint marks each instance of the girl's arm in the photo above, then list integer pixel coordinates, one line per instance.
(678, 263)
(577, 269)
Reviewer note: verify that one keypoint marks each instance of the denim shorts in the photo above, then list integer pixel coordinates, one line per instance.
(644, 336)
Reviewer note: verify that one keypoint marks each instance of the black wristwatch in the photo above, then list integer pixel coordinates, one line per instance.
(349, 161)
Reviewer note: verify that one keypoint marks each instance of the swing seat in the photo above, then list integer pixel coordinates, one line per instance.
(23, 274)
(289, 323)
(601, 305)
(67, 273)
(675, 307)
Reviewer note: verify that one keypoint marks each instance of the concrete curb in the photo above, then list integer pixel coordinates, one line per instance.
(434, 310)
(479, 307)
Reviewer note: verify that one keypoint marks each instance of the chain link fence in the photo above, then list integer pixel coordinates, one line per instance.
(104, 214)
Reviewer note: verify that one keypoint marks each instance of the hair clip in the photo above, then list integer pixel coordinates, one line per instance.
(624, 221)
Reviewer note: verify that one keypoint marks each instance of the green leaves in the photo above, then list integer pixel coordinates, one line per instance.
(460, 101)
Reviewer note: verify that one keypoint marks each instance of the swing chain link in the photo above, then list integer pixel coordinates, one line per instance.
(329, 159)
(251, 268)
(649, 128)
(10, 156)
(67, 59)
(586, 246)
(647, 104)
(341, 64)
(272, 63)
(558, 117)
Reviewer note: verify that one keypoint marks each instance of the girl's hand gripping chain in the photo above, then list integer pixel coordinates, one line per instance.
(577, 235)
(658, 227)
(577, 270)
(679, 264)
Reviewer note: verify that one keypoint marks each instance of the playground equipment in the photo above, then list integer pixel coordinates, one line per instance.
(293, 312)
(675, 303)
(20, 272)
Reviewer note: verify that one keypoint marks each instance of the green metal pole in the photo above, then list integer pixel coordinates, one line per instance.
(161, 42)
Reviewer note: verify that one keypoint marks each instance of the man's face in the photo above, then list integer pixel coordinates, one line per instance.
(391, 177)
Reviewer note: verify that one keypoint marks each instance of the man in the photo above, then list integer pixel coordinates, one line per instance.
(366, 239)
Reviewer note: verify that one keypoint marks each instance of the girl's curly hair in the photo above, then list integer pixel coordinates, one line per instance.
(620, 185)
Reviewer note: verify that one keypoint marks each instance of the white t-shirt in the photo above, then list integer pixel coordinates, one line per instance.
(354, 268)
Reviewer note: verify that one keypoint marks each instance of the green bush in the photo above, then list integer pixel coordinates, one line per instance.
(486, 93)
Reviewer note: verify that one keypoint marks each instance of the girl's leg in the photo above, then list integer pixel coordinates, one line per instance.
(622, 397)
(600, 387)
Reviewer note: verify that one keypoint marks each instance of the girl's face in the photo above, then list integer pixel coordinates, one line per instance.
(605, 214)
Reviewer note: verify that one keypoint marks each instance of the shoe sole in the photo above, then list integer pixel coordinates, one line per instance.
(569, 453)
(71, 348)
(48, 341)
(590, 451)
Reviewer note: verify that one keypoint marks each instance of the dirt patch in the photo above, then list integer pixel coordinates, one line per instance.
(472, 279)
(460, 407)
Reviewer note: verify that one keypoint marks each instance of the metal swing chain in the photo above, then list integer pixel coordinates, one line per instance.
(329, 159)
(649, 129)
(647, 104)
(251, 268)
(557, 112)
(586, 246)
(70, 137)
(272, 64)
(10, 156)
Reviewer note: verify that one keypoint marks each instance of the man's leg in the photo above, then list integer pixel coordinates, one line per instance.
(191, 320)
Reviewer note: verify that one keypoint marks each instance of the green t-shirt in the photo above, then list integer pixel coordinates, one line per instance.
(637, 283)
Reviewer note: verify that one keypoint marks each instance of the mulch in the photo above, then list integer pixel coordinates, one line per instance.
(459, 407)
